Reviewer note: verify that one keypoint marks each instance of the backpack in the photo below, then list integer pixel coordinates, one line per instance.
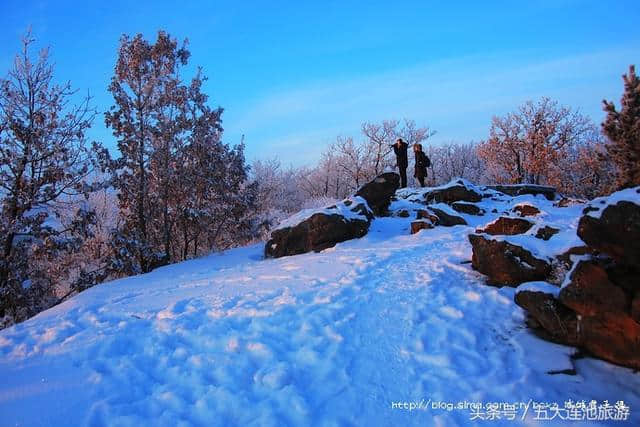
(427, 161)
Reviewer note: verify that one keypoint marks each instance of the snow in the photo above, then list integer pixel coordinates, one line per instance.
(598, 205)
(341, 208)
(544, 287)
(564, 219)
(329, 338)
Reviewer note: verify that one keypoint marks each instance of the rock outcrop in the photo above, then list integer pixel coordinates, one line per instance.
(505, 263)
(598, 306)
(506, 225)
(320, 229)
(378, 193)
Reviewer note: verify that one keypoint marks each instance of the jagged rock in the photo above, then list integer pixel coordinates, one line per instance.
(519, 189)
(507, 226)
(421, 224)
(557, 323)
(403, 213)
(425, 214)
(446, 219)
(615, 232)
(467, 208)
(505, 263)
(546, 232)
(526, 210)
(378, 193)
(454, 191)
(320, 230)
(590, 291)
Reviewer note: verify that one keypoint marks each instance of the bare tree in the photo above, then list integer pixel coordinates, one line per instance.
(379, 136)
(352, 160)
(524, 145)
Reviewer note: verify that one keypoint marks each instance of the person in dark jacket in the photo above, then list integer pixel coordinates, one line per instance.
(422, 163)
(400, 148)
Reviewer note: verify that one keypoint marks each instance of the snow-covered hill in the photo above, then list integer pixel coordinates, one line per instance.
(389, 329)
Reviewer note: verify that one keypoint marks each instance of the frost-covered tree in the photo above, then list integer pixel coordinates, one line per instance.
(44, 161)
(524, 145)
(378, 138)
(146, 119)
(454, 160)
(622, 128)
(181, 190)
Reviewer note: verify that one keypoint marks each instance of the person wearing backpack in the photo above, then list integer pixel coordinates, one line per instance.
(400, 149)
(422, 163)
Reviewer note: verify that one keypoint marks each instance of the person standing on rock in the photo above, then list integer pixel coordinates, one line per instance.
(400, 148)
(422, 163)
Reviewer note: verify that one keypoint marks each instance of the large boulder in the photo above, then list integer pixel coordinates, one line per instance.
(508, 226)
(505, 263)
(454, 191)
(611, 225)
(378, 193)
(519, 189)
(315, 230)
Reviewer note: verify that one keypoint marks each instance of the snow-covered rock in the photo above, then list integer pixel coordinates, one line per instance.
(505, 225)
(378, 192)
(505, 263)
(612, 225)
(454, 191)
(546, 315)
(599, 300)
(318, 229)
(526, 209)
(467, 208)
(519, 189)
(447, 217)
(420, 224)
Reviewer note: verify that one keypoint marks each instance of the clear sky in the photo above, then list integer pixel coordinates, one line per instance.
(292, 75)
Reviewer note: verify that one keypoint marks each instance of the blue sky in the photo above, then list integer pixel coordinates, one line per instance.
(294, 75)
